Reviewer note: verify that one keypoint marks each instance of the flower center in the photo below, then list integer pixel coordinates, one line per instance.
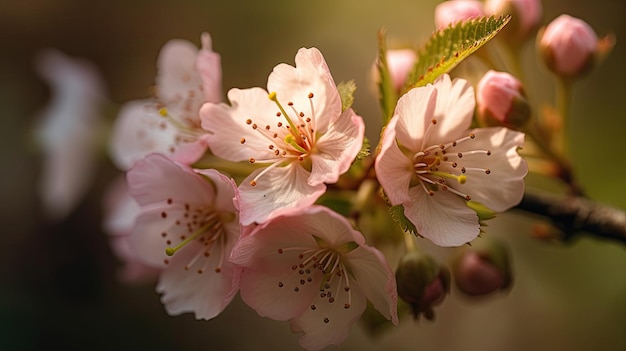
(292, 138)
(322, 266)
(200, 225)
(187, 129)
(439, 167)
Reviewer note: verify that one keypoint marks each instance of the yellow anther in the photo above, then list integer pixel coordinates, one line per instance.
(163, 111)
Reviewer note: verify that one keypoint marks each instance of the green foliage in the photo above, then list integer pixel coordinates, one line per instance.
(397, 213)
(365, 150)
(387, 95)
(346, 92)
(449, 46)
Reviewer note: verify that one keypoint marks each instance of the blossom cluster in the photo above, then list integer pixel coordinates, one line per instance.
(227, 197)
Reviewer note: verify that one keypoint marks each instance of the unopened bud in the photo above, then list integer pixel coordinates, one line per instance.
(501, 101)
(483, 270)
(525, 16)
(422, 283)
(450, 12)
(568, 46)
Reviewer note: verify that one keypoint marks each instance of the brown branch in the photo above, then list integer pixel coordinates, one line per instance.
(574, 215)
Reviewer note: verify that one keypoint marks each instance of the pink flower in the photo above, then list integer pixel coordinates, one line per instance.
(299, 134)
(400, 63)
(186, 79)
(501, 100)
(526, 14)
(311, 268)
(450, 12)
(432, 165)
(68, 130)
(568, 45)
(192, 217)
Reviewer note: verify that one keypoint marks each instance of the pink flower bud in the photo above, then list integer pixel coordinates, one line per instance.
(400, 63)
(501, 100)
(422, 283)
(568, 46)
(483, 270)
(451, 12)
(526, 14)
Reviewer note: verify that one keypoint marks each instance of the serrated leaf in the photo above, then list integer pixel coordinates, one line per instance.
(397, 213)
(387, 95)
(346, 92)
(450, 46)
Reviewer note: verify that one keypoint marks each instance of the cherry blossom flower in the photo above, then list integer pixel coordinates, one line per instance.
(300, 134)
(192, 217)
(186, 79)
(526, 14)
(310, 267)
(400, 63)
(431, 164)
(68, 130)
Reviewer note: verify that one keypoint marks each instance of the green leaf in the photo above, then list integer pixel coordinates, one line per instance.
(397, 213)
(387, 95)
(346, 92)
(484, 213)
(449, 46)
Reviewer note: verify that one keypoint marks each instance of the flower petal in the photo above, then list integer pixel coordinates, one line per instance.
(278, 190)
(393, 168)
(442, 218)
(337, 148)
(454, 109)
(317, 332)
(311, 75)
(227, 125)
(205, 294)
(503, 187)
(415, 111)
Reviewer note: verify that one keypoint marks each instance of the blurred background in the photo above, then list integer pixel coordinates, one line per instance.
(58, 279)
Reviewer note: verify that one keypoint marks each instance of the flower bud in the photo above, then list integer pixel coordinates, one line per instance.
(501, 101)
(482, 270)
(451, 12)
(525, 15)
(400, 63)
(568, 46)
(422, 282)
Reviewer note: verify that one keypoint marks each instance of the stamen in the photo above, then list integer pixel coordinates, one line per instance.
(272, 96)
(213, 219)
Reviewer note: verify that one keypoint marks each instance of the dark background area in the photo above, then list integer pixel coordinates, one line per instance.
(58, 282)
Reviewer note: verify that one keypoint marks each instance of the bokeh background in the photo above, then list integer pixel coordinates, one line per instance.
(58, 279)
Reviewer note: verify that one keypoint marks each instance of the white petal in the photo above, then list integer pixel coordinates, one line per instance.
(393, 169)
(121, 210)
(375, 278)
(415, 111)
(205, 294)
(227, 125)
(311, 75)
(278, 190)
(503, 187)
(317, 333)
(337, 148)
(454, 111)
(443, 218)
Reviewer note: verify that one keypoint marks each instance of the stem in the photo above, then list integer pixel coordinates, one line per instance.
(576, 214)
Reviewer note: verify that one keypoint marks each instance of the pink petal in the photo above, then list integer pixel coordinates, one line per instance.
(121, 210)
(278, 190)
(337, 148)
(311, 75)
(393, 169)
(442, 218)
(156, 178)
